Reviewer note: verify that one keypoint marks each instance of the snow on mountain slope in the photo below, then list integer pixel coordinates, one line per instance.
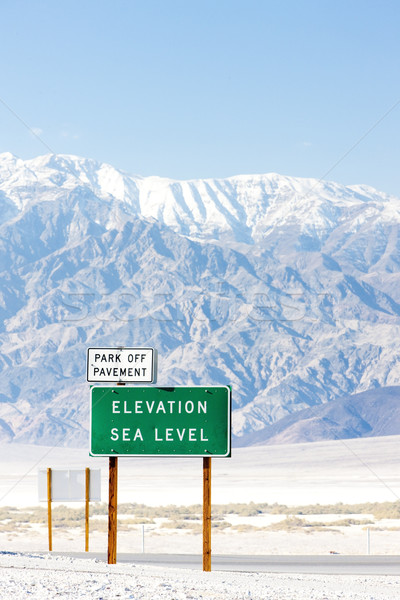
(248, 207)
(286, 288)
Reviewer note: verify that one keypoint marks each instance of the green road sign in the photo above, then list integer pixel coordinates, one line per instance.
(160, 421)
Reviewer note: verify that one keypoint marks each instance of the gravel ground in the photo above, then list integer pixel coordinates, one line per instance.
(43, 576)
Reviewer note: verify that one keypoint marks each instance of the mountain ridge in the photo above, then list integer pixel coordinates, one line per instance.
(287, 288)
(177, 199)
(374, 413)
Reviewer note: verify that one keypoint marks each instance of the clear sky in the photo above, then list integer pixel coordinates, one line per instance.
(207, 88)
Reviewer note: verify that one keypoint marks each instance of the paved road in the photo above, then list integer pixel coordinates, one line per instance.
(330, 564)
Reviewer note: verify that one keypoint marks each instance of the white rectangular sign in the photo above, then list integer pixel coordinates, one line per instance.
(69, 485)
(121, 365)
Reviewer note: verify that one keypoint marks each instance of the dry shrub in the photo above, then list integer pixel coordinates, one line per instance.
(98, 525)
(245, 528)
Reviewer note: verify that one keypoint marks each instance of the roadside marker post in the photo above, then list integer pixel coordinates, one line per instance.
(49, 520)
(87, 493)
(69, 485)
(207, 513)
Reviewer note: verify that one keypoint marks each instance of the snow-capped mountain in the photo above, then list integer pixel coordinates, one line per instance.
(285, 288)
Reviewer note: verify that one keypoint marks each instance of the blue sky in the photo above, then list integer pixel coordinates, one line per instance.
(206, 88)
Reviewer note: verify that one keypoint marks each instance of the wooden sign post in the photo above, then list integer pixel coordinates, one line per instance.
(207, 513)
(49, 522)
(112, 510)
(112, 506)
(87, 488)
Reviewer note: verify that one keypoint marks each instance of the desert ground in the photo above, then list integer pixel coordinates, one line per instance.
(265, 500)
(318, 498)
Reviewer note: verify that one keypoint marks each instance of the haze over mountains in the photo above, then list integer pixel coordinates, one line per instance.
(285, 288)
